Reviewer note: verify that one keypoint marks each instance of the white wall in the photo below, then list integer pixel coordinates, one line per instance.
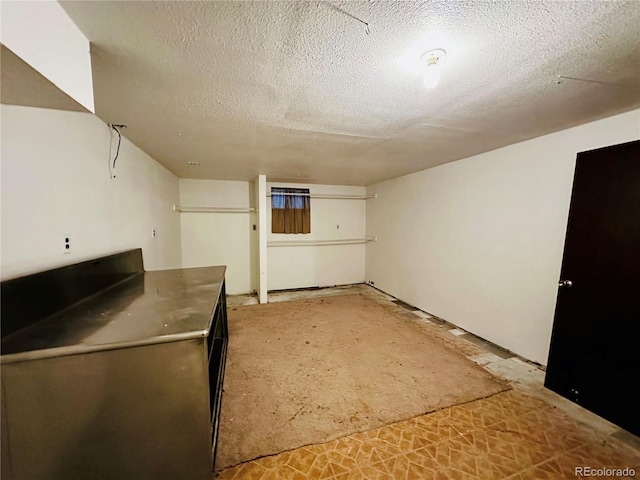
(220, 238)
(479, 242)
(56, 182)
(326, 265)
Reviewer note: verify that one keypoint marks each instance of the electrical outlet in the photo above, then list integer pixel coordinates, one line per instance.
(67, 244)
(153, 233)
(337, 227)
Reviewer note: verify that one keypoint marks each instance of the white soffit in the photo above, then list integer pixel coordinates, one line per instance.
(45, 38)
(23, 85)
(300, 91)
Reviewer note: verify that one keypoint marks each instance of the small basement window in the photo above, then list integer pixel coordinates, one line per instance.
(290, 210)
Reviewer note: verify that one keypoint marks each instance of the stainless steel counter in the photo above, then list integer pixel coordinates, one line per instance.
(125, 384)
(151, 307)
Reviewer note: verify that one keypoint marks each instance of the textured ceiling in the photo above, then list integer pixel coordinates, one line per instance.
(300, 91)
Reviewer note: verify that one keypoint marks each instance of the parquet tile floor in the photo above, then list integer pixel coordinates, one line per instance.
(510, 435)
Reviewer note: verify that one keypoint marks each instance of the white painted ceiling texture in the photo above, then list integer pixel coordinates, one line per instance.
(301, 92)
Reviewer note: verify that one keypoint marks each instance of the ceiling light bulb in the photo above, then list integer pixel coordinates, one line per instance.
(431, 62)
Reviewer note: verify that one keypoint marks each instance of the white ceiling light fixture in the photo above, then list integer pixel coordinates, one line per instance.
(431, 63)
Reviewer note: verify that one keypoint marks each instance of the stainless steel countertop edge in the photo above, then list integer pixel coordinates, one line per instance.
(82, 349)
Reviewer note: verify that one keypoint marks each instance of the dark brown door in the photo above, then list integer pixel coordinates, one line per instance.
(594, 358)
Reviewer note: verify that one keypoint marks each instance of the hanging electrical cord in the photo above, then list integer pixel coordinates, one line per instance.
(111, 175)
(118, 147)
(116, 128)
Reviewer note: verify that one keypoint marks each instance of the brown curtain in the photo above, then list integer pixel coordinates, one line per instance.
(290, 210)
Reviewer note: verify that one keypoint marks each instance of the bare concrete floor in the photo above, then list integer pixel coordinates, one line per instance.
(554, 434)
